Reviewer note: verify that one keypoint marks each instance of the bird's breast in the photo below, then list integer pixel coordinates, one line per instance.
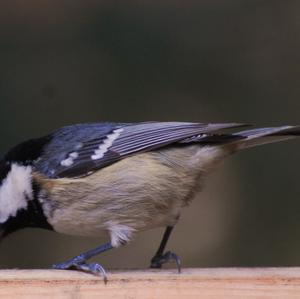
(139, 192)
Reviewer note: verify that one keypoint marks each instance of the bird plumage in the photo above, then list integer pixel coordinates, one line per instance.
(115, 178)
(93, 146)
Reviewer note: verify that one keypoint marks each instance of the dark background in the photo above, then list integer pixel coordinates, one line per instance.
(64, 62)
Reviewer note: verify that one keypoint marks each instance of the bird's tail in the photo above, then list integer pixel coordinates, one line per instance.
(254, 137)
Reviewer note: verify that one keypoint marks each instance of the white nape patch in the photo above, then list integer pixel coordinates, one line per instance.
(15, 191)
(119, 233)
(106, 144)
(70, 160)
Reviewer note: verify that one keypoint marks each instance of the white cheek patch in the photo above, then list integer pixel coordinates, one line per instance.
(106, 144)
(15, 191)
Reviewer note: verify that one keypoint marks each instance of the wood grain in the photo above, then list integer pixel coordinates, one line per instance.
(215, 283)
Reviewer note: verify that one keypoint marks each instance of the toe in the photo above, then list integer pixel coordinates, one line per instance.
(158, 261)
(61, 266)
(171, 256)
(92, 268)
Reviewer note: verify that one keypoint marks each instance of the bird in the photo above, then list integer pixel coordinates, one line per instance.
(116, 179)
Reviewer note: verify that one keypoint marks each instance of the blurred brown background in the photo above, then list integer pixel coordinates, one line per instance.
(65, 62)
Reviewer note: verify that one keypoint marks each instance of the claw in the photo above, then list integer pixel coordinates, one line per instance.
(93, 268)
(159, 260)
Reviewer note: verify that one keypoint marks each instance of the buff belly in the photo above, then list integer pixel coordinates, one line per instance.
(137, 193)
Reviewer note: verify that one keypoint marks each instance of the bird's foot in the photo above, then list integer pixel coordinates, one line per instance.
(78, 263)
(158, 260)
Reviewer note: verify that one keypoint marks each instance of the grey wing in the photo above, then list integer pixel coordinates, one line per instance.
(124, 140)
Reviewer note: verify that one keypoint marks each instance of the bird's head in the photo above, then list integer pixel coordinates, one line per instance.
(16, 192)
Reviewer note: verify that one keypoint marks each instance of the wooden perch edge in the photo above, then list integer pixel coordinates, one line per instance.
(210, 283)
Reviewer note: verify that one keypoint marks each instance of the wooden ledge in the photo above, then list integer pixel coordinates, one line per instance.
(191, 283)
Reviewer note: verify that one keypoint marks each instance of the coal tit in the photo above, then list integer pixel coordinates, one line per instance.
(115, 179)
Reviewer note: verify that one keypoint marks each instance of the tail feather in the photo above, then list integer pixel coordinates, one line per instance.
(262, 136)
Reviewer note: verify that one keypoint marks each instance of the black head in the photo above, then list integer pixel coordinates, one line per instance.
(4, 169)
(19, 207)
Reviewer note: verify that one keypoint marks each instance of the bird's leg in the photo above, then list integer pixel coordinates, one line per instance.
(160, 257)
(79, 262)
